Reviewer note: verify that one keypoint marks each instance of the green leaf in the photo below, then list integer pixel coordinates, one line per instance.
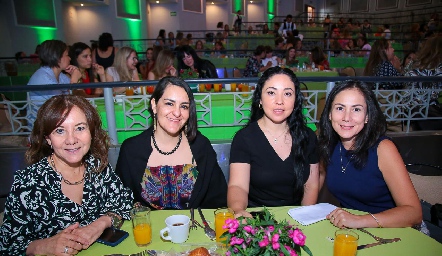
(307, 250)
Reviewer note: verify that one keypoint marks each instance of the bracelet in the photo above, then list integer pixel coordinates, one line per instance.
(379, 225)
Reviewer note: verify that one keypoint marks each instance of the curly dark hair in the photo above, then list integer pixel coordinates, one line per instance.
(296, 123)
(192, 126)
(52, 114)
(375, 127)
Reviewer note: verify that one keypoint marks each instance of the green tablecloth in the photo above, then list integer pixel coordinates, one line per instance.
(343, 62)
(412, 241)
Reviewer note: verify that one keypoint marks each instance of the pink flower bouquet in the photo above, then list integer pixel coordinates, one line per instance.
(263, 236)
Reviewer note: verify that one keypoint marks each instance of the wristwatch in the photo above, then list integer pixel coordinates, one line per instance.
(117, 222)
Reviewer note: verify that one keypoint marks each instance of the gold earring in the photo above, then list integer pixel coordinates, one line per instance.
(154, 122)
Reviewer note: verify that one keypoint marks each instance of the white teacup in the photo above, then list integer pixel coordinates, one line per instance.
(227, 87)
(177, 229)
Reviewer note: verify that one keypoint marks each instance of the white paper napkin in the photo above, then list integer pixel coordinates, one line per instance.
(307, 215)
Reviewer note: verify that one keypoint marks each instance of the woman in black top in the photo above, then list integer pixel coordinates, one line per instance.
(188, 59)
(273, 160)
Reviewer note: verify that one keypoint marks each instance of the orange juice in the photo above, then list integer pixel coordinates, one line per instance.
(233, 87)
(345, 245)
(220, 218)
(217, 87)
(129, 91)
(142, 234)
(208, 87)
(245, 88)
(202, 87)
(150, 89)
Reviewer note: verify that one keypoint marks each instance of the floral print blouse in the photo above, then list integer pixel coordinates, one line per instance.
(387, 69)
(36, 208)
(252, 67)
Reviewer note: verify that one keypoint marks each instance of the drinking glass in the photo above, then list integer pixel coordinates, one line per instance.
(202, 87)
(233, 87)
(221, 215)
(217, 87)
(346, 243)
(142, 226)
(129, 91)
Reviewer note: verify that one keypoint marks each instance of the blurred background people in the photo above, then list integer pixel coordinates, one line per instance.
(163, 66)
(123, 69)
(81, 57)
(104, 54)
(188, 59)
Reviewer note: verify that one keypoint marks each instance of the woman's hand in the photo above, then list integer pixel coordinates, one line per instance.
(341, 218)
(92, 232)
(74, 72)
(242, 213)
(98, 69)
(396, 62)
(64, 243)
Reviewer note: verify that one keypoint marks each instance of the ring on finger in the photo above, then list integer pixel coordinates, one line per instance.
(66, 249)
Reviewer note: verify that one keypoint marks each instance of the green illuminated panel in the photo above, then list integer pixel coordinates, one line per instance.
(237, 5)
(271, 4)
(129, 9)
(35, 13)
(134, 28)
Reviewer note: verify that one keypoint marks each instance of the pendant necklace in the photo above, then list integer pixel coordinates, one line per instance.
(163, 152)
(343, 169)
(275, 140)
(65, 180)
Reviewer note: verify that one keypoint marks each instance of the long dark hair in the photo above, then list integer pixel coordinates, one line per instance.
(74, 51)
(296, 123)
(375, 127)
(377, 56)
(158, 93)
(186, 49)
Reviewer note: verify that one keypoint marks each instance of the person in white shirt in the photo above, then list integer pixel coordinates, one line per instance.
(387, 32)
(287, 27)
(270, 58)
(238, 20)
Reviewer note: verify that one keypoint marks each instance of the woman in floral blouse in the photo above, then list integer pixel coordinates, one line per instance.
(69, 194)
(254, 65)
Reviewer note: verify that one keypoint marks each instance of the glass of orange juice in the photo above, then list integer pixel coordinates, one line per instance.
(233, 87)
(129, 91)
(346, 243)
(217, 87)
(221, 215)
(142, 226)
(245, 88)
(202, 87)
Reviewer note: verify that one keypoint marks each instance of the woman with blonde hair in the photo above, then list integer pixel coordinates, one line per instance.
(124, 68)
(163, 66)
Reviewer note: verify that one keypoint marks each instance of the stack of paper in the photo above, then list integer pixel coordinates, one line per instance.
(307, 215)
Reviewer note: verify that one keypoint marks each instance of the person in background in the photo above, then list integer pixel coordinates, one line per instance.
(428, 62)
(170, 41)
(287, 27)
(189, 38)
(105, 53)
(387, 32)
(273, 160)
(351, 47)
(238, 20)
(226, 31)
(311, 23)
(124, 68)
(163, 66)
(199, 48)
(300, 50)
(265, 29)
(161, 38)
(34, 56)
(172, 165)
(20, 57)
(147, 65)
(219, 25)
(219, 49)
(188, 59)
(290, 60)
(179, 37)
(54, 59)
(407, 62)
(383, 62)
(81, 57)
(275, 30)
(254, 64)
(365, 47)
(318, 57)
(279, 47)
(61, 203)
(379, 32)
(364, 169)
(366, 29)
(270, 58)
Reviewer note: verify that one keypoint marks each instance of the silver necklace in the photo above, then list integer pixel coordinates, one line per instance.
(343, 169)
(65, 180)
(275, 140)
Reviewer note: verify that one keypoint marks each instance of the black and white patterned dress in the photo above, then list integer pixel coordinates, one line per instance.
(387, 69)
(36, 208)
(434, 95)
